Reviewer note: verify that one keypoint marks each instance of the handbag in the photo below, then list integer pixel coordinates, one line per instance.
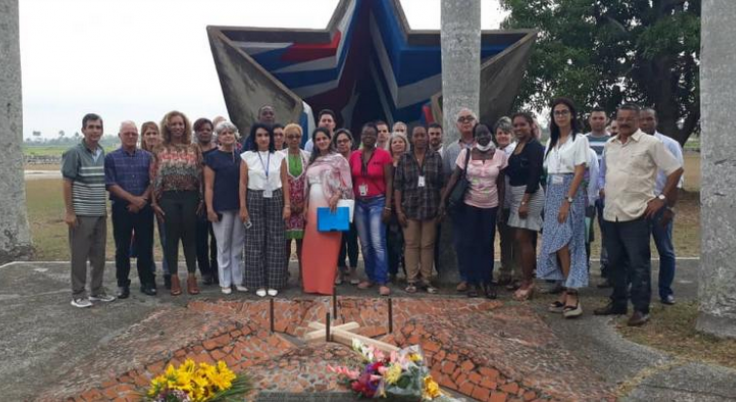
(457, 197)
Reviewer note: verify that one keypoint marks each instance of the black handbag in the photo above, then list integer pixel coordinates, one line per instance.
(456, 201)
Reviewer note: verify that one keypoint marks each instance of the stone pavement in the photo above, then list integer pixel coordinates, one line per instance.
(488, 350)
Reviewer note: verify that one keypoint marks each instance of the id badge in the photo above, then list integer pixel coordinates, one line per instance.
(557, 179)
(421, 182)
(363, 190)
(268, 192)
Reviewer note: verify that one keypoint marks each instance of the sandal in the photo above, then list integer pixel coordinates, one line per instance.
(556, 307)
(462, 286)
(383, 290)
(523, 294)
(513, 285)
(472, 291)
(411, 288)
(573, 311)
(429, 288)
(365, 285)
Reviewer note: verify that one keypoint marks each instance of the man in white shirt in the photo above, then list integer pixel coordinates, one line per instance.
(662, 234)
(326, 119)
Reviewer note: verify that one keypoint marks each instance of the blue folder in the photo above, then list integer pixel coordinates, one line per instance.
(338, 221)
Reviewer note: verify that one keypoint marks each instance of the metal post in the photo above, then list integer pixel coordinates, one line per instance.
(327, 327)
(334, 303)
(270, 309)
(390, 316)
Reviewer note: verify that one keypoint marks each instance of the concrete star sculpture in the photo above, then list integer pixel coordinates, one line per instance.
(367, 64)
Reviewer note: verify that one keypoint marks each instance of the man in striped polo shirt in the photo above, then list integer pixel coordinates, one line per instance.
(83, 169)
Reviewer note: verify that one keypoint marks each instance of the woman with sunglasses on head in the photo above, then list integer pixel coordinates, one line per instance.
(562, 255)
(296, 167)
(343, 143)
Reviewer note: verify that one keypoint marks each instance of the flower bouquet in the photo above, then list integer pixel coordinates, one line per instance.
(192, 382)
(399, 376)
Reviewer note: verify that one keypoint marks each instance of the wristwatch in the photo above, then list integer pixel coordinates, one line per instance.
(570, 199)
(662, 197)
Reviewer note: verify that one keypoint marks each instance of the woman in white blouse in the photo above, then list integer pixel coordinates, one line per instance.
(562, 256)
(264, 208)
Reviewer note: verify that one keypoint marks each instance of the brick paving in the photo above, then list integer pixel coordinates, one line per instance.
(485, 350)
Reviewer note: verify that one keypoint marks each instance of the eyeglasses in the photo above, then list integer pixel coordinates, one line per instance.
(465, 119)
(563, 112)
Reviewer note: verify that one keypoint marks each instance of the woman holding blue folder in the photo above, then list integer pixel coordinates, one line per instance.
(328, 181)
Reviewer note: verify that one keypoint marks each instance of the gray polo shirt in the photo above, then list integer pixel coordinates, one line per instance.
(86, 169)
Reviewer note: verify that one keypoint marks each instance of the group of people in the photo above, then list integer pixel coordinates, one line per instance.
(238, 205)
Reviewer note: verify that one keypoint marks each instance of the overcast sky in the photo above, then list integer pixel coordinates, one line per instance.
(138, 59)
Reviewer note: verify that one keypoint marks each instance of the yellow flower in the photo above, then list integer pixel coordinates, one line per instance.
(415, 357)
(431, 388)
(393, 374)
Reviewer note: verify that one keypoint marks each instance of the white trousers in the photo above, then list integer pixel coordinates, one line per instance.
(230, 235)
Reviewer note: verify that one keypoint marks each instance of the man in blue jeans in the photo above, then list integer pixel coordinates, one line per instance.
(662, 234)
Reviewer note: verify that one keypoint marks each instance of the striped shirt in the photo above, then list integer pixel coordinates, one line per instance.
(597, 143)
(86, 170)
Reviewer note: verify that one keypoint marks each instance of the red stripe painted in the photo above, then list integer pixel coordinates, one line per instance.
(312, 51)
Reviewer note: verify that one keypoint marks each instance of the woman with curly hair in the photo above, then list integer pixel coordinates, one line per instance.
(176, 175)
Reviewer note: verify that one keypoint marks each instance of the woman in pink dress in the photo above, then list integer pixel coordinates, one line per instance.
(328, 181)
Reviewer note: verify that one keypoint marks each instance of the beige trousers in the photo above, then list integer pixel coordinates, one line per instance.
(419, 239)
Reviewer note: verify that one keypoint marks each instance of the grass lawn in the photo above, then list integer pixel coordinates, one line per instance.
(672, 329)
(51, 150)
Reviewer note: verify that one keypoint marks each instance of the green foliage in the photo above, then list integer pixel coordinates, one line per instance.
(605, 52)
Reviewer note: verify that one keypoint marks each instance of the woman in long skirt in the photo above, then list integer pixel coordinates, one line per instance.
(328, 181)
(562, 256)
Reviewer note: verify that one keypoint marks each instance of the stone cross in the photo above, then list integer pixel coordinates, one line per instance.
(15, 237)
(717, 287)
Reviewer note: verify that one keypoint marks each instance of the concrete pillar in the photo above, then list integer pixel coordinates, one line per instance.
(717, 287)
(460, 38)
(15, 238)
(460, 41)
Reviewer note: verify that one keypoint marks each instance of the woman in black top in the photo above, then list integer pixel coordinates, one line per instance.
(526, 198)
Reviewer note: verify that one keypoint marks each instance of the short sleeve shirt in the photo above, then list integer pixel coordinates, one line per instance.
(482, 176)
(86, 169)
(631, 172)
(563, 158)
(226, 166)
(370, 175)
(420, 203)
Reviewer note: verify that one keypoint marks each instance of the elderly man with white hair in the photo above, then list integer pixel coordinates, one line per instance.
(127, 180)
(465, 121)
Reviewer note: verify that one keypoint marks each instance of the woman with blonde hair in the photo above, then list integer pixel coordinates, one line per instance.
(150, 140)
(176, 175)
(296, 168)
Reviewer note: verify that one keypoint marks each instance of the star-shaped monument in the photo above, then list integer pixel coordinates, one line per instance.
(367, 64)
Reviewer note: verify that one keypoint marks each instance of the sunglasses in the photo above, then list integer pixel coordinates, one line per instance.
(465, 119)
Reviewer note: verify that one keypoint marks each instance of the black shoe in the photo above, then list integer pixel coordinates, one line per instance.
(208, 280)
(148, 290)
(638, 319)
(490, 290)
(123, 292)
(610, 309)
(668, 300)
(167, 282)
(472, 290)
(605, 283)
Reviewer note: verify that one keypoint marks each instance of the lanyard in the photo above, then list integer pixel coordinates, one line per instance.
(267, 165)
(364, 163)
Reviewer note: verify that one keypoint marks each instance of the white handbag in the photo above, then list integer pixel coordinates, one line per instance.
(350, 204)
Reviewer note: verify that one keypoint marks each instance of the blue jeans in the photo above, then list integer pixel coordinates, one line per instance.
(663, 240)
(372, 235)
(599, 205)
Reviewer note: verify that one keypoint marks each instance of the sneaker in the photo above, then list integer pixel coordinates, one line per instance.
(261, 292)
(81, 303)
(241, 288)
(272, 292)
(226, 291)
(102, 297)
